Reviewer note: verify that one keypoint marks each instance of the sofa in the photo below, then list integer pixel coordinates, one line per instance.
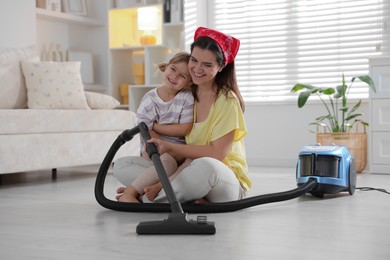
(48, 121)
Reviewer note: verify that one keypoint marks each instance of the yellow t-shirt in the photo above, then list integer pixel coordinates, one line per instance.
(225, 116)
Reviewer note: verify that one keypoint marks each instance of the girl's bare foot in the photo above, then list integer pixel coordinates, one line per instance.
(127, 195)
(152, 190)
(120, 190)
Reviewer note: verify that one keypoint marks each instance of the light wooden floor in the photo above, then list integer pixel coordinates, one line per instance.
(45, 219)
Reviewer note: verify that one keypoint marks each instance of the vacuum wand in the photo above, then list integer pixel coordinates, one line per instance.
(153, 153)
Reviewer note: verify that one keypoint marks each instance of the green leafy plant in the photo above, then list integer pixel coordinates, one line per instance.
(340, 116)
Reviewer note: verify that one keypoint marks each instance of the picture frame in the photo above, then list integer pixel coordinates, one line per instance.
(50, 5)
(77, 7)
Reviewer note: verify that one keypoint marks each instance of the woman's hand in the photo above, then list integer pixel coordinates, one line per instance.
(162, 146)
(167, 147)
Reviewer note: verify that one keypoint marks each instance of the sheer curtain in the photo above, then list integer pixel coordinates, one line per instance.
(284, 42)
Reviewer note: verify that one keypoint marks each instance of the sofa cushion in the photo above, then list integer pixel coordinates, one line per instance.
(100, 101)
(54, 85)
(36, 121)
(13, 93)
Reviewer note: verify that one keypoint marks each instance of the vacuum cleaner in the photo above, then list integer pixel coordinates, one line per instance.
(332, 166)
(320, 170)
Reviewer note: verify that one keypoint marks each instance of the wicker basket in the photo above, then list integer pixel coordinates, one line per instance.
(356, 143)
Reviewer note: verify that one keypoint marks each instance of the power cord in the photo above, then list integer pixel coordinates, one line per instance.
(370, 189)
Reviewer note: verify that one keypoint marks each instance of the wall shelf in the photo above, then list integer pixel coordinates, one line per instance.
(65, 17)
(77, 33)
(174, 24)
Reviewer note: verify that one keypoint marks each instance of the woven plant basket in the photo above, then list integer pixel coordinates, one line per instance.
(356, 143)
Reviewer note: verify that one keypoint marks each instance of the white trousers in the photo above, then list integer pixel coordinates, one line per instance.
(203, 177)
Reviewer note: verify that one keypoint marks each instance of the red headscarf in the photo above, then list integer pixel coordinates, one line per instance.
(228, 44)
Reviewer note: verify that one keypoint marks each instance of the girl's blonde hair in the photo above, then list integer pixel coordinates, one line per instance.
(179, 57)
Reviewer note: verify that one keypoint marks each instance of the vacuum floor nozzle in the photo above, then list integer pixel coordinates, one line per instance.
(177, 224)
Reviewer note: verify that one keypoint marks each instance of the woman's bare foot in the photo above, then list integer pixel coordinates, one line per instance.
(152, 190)
(127, 195)
(201, 201)
(127, 198)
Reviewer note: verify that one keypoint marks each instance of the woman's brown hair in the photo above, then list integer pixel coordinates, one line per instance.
(226, 79)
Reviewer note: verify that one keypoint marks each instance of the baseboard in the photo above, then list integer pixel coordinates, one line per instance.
(271, 162)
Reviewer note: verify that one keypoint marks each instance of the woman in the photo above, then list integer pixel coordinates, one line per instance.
(218, 171)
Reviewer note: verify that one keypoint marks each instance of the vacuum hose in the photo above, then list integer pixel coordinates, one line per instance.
(127, 135)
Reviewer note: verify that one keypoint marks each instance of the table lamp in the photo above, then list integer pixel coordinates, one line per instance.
(147, 22)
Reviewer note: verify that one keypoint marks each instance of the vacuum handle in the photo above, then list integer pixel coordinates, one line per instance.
(128, 134)
(151, 148)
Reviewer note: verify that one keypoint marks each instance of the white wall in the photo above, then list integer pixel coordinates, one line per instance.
(277, 132)
(17, 23)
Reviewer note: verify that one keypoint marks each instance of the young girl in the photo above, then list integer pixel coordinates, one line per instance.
(171, 106)
(218, 171)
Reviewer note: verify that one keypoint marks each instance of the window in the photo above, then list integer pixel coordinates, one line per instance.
(284, 42)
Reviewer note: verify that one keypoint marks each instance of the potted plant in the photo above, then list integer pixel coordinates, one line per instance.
(340, 118)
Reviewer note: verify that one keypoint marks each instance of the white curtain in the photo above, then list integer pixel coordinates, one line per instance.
(284, 42)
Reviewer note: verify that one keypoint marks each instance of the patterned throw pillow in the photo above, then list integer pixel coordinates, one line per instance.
(54, 85)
